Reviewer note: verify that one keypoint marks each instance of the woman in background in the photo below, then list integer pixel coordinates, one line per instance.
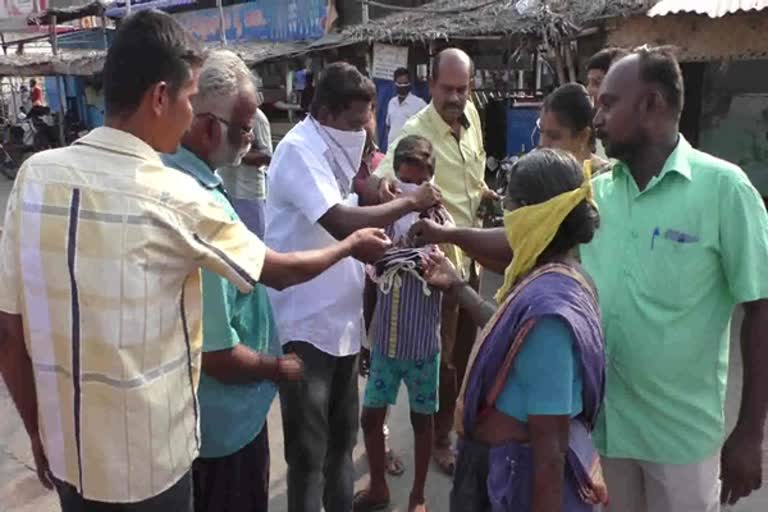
(566, 123)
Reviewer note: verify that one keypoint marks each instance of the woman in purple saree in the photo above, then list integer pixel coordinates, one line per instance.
(535, 380)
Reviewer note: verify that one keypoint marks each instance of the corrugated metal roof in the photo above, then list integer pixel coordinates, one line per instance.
(712, 8)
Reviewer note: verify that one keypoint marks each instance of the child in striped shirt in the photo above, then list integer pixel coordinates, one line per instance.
(405, 338)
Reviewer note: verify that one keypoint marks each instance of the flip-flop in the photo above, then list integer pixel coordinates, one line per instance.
(445, 459)
(395, 466)
(362, 502)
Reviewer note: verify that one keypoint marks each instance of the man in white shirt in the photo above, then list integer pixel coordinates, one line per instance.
(310, 205)
(403, 106)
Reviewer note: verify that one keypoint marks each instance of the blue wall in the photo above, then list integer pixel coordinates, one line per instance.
(265, 20)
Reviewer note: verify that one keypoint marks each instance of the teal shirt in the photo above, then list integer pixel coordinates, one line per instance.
(545, 378)
(670, 263)
(231, 416)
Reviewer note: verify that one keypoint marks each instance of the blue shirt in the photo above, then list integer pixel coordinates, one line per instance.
(231, 415)
(545, 378)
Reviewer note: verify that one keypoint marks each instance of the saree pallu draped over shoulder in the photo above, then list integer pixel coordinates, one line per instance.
(499, 478)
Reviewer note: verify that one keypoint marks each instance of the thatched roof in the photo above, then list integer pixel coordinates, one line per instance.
(255, 52)
(66, 14)
(81, 63)
(467, 19)
(87, 63)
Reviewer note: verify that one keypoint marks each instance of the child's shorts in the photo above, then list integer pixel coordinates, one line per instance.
(421, 378)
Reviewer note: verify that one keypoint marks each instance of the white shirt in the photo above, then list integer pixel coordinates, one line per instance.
(399, 113)
(327, 311)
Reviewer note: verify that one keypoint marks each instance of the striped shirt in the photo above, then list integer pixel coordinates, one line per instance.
(100, 254)
(406, 322)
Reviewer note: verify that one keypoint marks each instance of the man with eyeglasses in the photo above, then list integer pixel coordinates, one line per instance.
(242, 360)
(247, 182)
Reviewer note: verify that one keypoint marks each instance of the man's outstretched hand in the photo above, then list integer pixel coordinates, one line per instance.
(369, 245)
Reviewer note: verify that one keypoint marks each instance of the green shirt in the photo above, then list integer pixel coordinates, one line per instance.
(670, 263)
(231, 415)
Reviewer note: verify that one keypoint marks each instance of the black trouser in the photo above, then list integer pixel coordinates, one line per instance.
(470, 479)
(177, 498)
(320, 422)
(237, 482)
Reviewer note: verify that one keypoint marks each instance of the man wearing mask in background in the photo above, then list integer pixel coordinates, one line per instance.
(451, 122)
(402, 107)
(310, 204)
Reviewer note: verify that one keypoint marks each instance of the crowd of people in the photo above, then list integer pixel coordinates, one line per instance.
(161, 288)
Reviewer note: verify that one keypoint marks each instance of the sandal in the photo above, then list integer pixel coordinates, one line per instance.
(362, 502)
(445, 459)
(395, 466)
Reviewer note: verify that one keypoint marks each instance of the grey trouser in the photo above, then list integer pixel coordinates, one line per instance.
(320, 422)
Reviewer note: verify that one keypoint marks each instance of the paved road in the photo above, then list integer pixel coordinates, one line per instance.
(20, 491)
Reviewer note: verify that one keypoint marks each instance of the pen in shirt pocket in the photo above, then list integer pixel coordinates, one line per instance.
(656, 233)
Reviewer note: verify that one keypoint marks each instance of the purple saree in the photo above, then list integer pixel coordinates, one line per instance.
(500, 478)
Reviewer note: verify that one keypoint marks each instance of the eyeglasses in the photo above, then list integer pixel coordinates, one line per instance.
(244, 132)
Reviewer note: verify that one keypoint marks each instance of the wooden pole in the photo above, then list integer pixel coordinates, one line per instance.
(59, 83)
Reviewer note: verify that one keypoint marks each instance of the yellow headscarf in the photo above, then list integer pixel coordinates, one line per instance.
(530, 229)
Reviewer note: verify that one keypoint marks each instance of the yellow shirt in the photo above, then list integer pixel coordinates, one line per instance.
(459, 164)
(101, 256)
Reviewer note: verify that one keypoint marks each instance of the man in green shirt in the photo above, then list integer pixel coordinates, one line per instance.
(684, 239)
(242, 358)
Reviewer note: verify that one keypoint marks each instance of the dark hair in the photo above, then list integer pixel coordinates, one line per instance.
(543, 174)
(439, 57)
(338, 85)
(401, 72)
(658, 65)
(414, 149)
(33, 82)
(149, 47)
(572, 106)
(603, 59)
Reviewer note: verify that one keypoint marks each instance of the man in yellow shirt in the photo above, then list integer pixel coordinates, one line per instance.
(452, 124)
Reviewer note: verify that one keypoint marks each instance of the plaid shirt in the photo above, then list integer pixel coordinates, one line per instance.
(101, 256)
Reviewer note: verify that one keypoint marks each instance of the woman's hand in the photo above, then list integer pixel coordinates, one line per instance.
(427, 232)
(439, 271)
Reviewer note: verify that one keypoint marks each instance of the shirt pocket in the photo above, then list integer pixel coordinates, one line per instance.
(672, 270)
